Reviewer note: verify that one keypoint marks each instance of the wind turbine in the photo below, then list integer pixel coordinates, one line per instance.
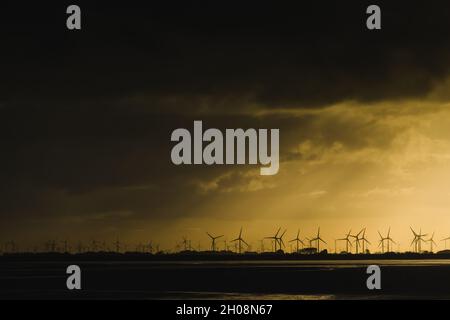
(275, 240)
(414, 240)
(213, 241)
(239, 241)
(389, 239)
(347, 240)
(318, 239)
(418, 238)
(431, 241)
(280, 239)
(382, 239)
(364, 240)
(446, 239)
(297, 240)
(357, 239)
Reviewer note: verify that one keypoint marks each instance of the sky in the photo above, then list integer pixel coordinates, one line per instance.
(86, 118)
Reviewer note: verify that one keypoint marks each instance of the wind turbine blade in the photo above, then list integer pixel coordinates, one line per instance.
(240, 233)
(245, 243)
(276, 234)
(380, 235)
(389, 232)
(209, 235)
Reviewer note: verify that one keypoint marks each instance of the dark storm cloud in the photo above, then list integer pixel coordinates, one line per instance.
(277, 53)
(86, 116)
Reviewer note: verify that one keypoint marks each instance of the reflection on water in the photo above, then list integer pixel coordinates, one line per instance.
(299, 263)
(281, 296)
(240, 296)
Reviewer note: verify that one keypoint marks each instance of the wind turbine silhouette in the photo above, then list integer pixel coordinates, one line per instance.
(213, 241)
(297, 240)
(388, 239)
(382, 239)
(418, 239)
(318, 239)
(280, 239)
(364, 241)
(431, 241)
(357, 239)
(347, 240)
(239, 241)
(446, 239)
(275, 239)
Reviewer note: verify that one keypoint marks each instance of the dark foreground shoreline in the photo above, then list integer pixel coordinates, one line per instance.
(108, 278)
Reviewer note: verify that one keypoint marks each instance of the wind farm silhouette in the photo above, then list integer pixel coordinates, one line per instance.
(354, 244)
